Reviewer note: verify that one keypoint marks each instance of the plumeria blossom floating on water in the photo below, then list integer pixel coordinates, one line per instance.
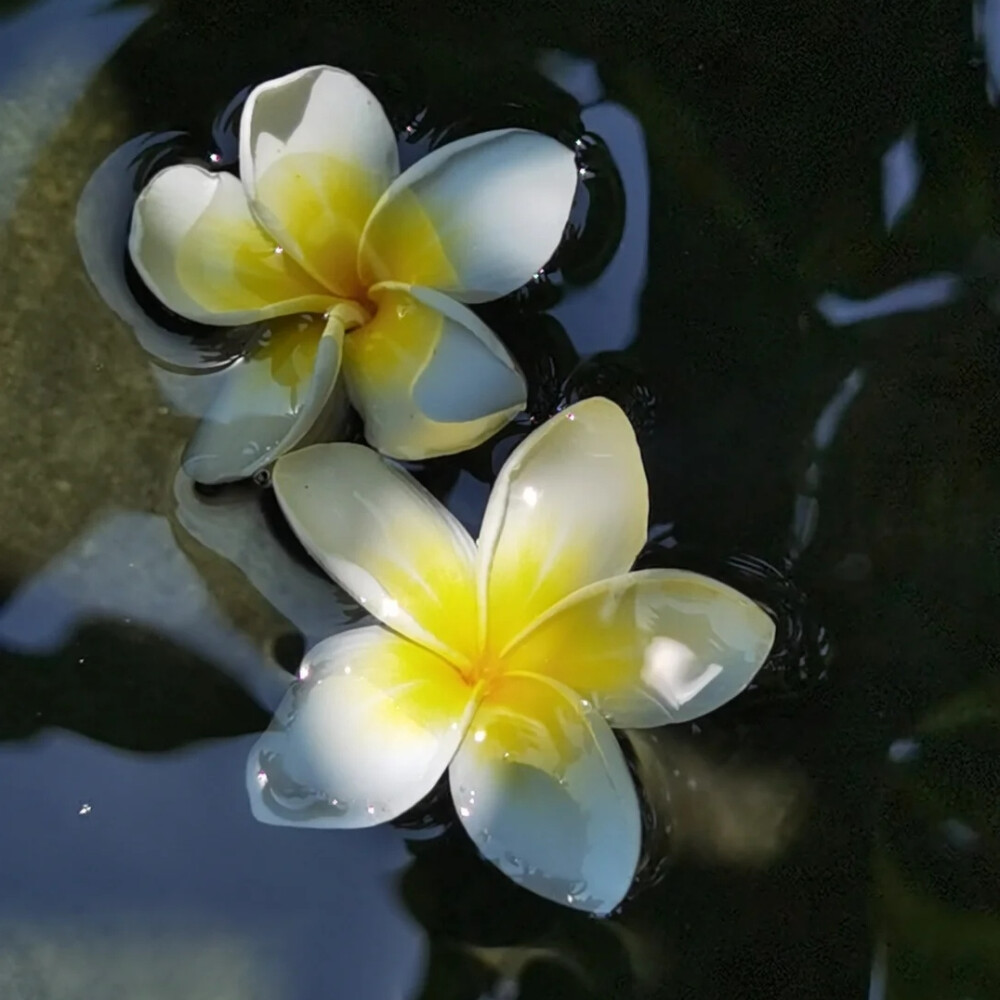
(505, 661)
(356, 267)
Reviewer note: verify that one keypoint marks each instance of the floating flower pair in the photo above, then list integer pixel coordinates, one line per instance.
(356, 267)
(503, 660)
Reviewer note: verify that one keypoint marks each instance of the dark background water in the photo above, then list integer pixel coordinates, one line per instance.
(762, 176)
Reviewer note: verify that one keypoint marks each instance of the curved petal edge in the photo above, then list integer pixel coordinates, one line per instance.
(197, 246)
(476, 218)
(428, 376)
(541, 786)
(269, 401)
(363, 735)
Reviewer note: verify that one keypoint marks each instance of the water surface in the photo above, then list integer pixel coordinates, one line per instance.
(788, 277)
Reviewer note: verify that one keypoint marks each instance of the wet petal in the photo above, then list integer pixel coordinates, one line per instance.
(269, 400)
(201, 252)
(428, 376)
(543, 789)
(569, 508)
(475, 218)
(103, 217)
(316, 152)
(651, 647)
(385, 540)
(363, 736)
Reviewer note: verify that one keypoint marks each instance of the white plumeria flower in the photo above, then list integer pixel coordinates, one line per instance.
(504, 659)
(321, 228)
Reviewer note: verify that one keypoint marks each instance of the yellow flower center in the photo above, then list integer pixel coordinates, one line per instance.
(324, 204)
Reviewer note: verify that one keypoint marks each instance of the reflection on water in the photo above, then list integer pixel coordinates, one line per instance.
(48, 52)
(67, 961)
(604, 314)
(901, 173)
(128, 568)
(915, 296)
(713, 810)
(765, 198)
(937, 861)
(805, 516)
(235, 525)
(169, 845)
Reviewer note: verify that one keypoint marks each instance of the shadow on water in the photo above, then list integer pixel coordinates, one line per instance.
(788, 280)
(173, 697)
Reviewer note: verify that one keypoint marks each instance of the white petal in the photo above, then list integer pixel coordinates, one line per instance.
(475, 218)
(363, 736)
(103, 217)
(569, 508)
(386, 541)
(196, 245)
(269, 400)
(652, 647)
(543, 790)
(316, 152)
(428, 376)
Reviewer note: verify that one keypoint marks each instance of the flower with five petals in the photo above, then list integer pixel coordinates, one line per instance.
(504, 661)
(356, 268)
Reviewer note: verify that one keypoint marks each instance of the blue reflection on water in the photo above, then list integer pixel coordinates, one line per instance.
(317, 906)
(48, 53)
(81, 32)
(604, 315)
(128, 567)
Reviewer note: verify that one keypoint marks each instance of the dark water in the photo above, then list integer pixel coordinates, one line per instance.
(785, 267)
